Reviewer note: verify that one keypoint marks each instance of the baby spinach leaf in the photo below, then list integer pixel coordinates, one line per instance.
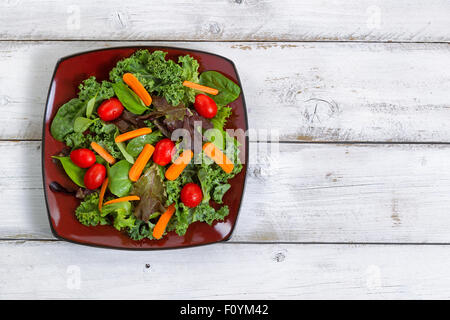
(128, 98)
(63, 122)
(81, 124)
(119, 183)
(90, 106)
(136, 145)
(123, 150)
(72, 170)
(228, 90)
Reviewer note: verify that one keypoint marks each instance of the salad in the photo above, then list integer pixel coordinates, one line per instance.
(148, 148)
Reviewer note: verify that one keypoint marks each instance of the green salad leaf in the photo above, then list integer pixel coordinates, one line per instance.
(129, 99)
(87, 212)
(189, 72)
(63, 123)
(228, 90)
(135, 146)
(122, 148)
(220, 119)
(81, 124)
(121, 213)
(219, 192)
(90, 106)
(119, 183)
(72, 170)
(158, 75)
(141, 230)
(103, 133)
(64, 120)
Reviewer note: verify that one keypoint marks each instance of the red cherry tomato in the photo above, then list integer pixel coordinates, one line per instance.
(205, 106)
(110, 109)
(164, 150)
(191, 195)
(93, 178)
(84, 158)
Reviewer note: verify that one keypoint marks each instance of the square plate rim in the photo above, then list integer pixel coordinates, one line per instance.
(247, 149)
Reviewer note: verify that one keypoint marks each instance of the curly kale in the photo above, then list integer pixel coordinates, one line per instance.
(87, 212)
(141, 230)
(158, 75)
(104, 133)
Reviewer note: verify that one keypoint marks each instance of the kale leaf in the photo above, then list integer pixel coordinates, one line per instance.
(87, 212)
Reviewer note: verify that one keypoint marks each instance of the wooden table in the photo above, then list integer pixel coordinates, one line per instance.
(356, 205)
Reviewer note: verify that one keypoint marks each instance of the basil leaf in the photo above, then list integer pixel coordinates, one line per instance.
(81, 124)
(129, 99)
(119, 183)
(228, 90)
(72, 170)
(122, 149)
(90, 106)
(136, 145)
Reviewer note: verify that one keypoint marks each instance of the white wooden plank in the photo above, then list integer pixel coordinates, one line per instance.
(306, 193)
(282, 20)
(38, 270)
(308, 91)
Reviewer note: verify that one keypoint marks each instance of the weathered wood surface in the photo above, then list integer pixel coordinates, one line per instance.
(306, 91)
(273, 20)
(37, 270)
(304, 193)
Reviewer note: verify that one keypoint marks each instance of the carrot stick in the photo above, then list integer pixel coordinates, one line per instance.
(103, 153)
(132, 134)
(102, 194)
(161, 225)
(218, 156)
(178, 165)
(123, 199)
(138, 88)
(141, 161)
(199, 87)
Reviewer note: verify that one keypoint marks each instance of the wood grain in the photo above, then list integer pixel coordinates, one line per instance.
(273, 20)
(38, 270)
(299, 193)
(306, 92)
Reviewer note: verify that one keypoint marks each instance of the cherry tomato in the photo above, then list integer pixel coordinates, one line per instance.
(205, 106)
(191, 195)
(93, 178)
(84, 158)
(110, 109)
(164, 150)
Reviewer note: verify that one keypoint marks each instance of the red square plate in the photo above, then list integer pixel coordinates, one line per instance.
(68, 74)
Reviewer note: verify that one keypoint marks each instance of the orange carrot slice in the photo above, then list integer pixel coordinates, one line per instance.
(161, 225)
(138, 88)
(179, 165)
(218, 156)
(102, 194)
(199, 87)
(132, 134)
(141, 161)
(103, 153)
(123, 199)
